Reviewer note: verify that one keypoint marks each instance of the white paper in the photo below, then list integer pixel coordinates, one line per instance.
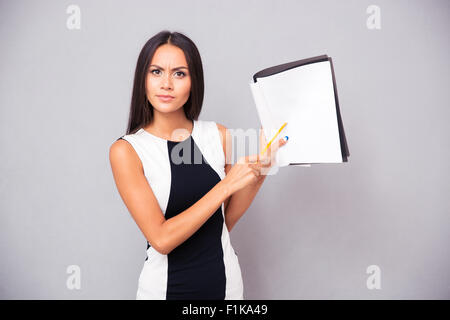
(304, 98)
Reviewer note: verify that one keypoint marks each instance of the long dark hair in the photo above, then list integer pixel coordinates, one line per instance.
(141, 110)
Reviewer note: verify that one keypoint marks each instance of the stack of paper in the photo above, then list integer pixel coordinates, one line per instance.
(303, 94)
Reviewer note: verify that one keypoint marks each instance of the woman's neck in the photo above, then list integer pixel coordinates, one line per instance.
(167, 126)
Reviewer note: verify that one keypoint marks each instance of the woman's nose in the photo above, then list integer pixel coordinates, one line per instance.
(167, 82)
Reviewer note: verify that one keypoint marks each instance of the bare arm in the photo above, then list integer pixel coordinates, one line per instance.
(238, 203)
(164, 235)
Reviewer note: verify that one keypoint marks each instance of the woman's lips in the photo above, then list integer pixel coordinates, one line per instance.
(165, 98)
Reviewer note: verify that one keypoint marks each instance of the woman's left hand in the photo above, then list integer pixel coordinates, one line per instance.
(268, 159)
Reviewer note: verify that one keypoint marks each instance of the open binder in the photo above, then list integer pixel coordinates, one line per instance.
(302, 93)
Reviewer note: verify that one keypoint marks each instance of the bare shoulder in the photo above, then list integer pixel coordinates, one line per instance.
(221, 127)
(225, 135)
(223, 130)
(122, 152)
(120, 149)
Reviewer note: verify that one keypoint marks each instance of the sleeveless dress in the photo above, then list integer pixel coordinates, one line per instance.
(205, 266)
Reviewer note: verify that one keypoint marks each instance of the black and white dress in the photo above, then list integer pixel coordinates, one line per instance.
(205, 266)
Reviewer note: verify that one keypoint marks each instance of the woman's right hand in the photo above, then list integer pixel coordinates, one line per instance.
(243, 173)
(247, 170)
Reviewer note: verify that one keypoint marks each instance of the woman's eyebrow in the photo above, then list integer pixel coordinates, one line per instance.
(154, 65)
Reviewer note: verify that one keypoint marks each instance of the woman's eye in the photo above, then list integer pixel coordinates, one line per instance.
(179, 73)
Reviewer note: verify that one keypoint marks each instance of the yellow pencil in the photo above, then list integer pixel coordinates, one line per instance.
(268, 145)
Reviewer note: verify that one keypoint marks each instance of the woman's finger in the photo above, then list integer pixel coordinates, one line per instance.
(256, 172)
(270, 153)
(254, 158)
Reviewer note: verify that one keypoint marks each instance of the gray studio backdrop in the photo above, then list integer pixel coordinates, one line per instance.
(319, 232)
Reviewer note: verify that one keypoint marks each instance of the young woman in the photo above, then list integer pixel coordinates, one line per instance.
(171, 172)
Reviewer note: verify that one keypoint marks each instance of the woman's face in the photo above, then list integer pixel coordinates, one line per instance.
(168, 74)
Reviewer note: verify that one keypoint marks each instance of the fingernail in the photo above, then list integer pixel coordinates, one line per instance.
(286, 138)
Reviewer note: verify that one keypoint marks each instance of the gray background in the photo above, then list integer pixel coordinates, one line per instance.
(310, 232)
